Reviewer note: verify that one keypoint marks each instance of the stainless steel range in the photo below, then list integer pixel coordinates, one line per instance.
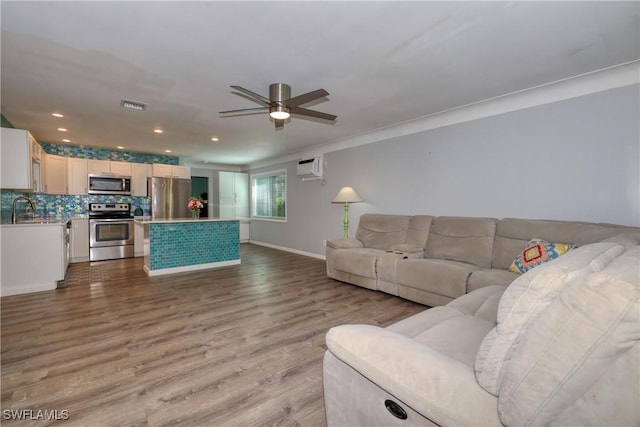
(110, 231)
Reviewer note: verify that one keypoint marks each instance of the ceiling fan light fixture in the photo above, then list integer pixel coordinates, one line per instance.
(279, 112)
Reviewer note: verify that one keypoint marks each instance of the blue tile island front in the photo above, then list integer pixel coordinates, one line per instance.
(181, 245)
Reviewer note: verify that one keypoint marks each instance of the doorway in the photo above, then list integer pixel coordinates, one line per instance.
(200, 188)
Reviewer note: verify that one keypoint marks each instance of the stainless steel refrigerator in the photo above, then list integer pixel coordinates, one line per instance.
(169, 197)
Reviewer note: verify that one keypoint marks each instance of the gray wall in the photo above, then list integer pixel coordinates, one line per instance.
(571, 160)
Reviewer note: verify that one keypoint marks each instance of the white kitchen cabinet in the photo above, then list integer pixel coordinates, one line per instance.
(33, 257)
(120, 168)
(160, 170)
(233, 194)
(79, 240)
(171, 171)
(77, 170)
(36, 150)
(99, 166)
(140, 172)
(181, 172)
(55, 181)
(140, 239)
(107, 166)
(20, 162)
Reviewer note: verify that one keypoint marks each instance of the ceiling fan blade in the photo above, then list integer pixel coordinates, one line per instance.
(246, 111)
(305, 98)
(253, 95)
(279, 124)
(311, 113)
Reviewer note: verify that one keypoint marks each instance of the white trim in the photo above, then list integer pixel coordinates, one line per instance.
(252, 178)
(187, 268)
(282, 248)
(585, 84)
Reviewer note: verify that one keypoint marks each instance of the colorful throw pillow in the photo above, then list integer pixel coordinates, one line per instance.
(537, 252)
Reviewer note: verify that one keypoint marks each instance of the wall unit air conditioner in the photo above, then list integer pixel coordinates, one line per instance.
(309, 169)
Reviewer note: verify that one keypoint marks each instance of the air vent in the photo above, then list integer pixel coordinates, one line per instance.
(134, 105)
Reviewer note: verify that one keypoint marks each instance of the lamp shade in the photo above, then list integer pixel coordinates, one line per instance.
(347, 195)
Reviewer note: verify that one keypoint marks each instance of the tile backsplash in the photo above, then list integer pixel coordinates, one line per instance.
(85, 152)
(68, 206)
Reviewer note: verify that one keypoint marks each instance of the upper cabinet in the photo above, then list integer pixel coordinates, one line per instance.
(120, 168)
(108, 166)
(55, 181)
(98, 166)
(171, 171)
(77, 175)
(140, 172)
(20, 161)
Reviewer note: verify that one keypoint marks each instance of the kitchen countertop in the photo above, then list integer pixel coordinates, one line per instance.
(149, 220)
(39, 223)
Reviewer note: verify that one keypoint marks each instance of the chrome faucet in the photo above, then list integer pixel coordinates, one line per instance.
(31, 203)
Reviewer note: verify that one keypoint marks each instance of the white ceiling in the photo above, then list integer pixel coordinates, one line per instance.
(383, 63)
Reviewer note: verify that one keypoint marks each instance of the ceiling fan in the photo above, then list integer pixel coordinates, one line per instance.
(280, 105)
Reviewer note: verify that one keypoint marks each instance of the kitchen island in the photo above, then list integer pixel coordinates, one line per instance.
(185, 244)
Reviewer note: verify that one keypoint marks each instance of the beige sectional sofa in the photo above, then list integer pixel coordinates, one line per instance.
(556, 346)
(433, 260)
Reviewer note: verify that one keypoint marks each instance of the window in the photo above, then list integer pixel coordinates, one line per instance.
(269, 195)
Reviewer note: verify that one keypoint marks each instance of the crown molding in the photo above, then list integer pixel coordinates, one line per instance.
(573, 87)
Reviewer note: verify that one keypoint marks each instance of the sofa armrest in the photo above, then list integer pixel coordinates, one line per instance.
(440, 388)
(410, 249)
(344, 243)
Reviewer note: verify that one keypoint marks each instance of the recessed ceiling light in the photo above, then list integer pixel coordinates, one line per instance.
(158, 130)
(120, 147)
(62, 129)
(167, 151)
(215, 139)
(66, 140)
(57, 115)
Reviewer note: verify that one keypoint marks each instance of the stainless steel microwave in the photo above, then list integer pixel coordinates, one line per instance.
(109, 184)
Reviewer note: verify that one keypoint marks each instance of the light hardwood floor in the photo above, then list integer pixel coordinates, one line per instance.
(235, 346)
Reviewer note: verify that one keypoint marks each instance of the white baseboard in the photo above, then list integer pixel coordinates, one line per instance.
(188, 268)
(295, 251)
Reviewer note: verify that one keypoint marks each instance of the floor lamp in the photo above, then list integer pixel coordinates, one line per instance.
(346, 195)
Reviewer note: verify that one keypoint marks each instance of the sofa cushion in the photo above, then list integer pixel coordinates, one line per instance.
(416, 374)
(442, 277)
(578, 362)
(482, 303)
(419, 227)
(536, 252)
(382, 231)
(457, 328)
(526, 297)
(488, 277)
(405, 247)
(467, 240)
(512, 234)
(359, 261)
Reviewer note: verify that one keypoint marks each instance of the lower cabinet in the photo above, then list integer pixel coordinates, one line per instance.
(33, 258)
(140, 239)
(79, 240)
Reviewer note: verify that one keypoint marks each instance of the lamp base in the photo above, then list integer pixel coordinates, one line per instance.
(346, 220)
